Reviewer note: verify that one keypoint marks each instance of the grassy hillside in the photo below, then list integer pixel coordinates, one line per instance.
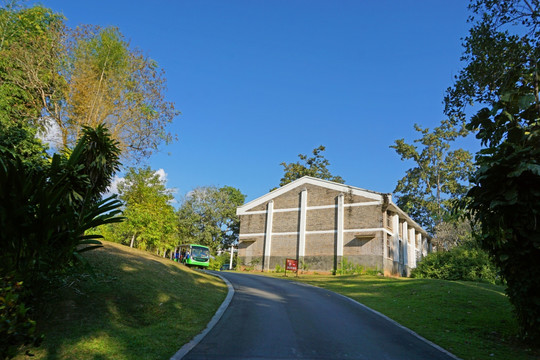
(471, 320)
(138, 306)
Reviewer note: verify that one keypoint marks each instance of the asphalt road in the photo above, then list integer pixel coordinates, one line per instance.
(271, 318)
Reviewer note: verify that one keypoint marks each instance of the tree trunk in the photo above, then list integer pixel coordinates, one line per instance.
(132, 240)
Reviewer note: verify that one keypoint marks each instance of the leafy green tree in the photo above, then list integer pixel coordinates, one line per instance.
(439, 176)
(502, 75)
(208, 216)
(150, 217)
(57, 79)
(316, 166)
(30, 62)
(46, 212)
(112, 83)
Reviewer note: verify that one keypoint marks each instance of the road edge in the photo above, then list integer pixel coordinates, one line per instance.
(184, 350)
(388, 319)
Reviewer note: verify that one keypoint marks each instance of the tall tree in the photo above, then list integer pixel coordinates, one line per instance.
(31, 45)
(439, 176)
(502, 75)
(208, 216)
(316, 166)
(61, 80)
(150, 217)
(112, 83)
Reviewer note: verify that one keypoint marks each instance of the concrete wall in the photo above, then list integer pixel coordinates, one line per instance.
(321, 225)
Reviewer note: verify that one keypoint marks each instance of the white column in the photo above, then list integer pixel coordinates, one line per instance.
(268, 234)
(340, 222)
(419, 247)
(405, 242)
(412, 248)
(395, 230)
(302, 233)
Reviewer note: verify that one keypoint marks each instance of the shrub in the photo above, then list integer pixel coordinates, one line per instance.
(16, 327)
(45, 212)
(345, 267)
(460, 263)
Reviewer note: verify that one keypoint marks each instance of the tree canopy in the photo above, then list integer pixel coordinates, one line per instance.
(208, 216)
(439, 175)
(502, 76)
(150, 217)
(59, 80)
(316, 166)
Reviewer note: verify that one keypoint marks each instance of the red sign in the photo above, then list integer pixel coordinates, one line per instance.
(291, 264)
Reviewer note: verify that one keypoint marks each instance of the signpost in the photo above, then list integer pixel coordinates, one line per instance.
(292, 265)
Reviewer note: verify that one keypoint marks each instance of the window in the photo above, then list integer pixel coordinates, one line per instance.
(388, 220)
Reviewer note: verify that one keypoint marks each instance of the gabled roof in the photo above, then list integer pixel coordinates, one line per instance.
(377, 196)
(241, 210)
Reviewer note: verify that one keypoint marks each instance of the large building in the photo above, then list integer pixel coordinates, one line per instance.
(323, 224)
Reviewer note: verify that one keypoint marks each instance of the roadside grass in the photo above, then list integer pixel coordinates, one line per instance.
(471, 320)
(137, 306)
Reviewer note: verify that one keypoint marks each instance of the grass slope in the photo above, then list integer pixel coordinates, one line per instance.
(138, 306)
(471, 320)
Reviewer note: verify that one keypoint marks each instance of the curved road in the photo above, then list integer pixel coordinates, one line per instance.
(271, 318)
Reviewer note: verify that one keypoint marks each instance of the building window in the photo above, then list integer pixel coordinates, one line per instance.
(388, 250)
(388, 220)
(400, 230)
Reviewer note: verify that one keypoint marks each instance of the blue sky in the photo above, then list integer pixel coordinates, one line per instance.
(260, 81)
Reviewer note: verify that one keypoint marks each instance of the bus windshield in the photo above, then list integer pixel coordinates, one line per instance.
(199, 252)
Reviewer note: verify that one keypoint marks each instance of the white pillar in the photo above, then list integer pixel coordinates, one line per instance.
(418, 247)
(405, 242)
(302, 233)
(268, 234)
(340, 225)
(395, 230)
(412, 248)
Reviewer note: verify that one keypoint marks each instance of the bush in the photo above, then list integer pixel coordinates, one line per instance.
(45, 212)
(16, 327)
(346, 267)
(460, 263)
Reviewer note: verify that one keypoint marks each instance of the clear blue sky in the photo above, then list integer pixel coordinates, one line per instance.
(260, 81)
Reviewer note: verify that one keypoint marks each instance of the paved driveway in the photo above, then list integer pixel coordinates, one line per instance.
(271, 318)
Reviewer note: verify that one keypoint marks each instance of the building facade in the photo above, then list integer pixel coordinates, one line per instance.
(323, 224)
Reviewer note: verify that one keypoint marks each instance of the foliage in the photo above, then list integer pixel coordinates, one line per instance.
(439, 177)
(21, 139)
(150, 218)
(44, 213)
(346, 267)
(452, 233)
(30, 60)
(208, 216)
(316, 166)
(218, 261)
(503, 75)
(16, 327)
(460, 263)
(61, 80)
(112, 83)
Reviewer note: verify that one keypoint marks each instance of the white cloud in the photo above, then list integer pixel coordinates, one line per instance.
(51, 134)
(113, 188)
(162, 175)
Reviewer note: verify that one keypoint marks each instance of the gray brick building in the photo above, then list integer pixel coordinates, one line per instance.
(321, 223)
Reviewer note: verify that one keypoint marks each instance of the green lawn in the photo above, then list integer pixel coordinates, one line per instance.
(471, 320)
(138, 306)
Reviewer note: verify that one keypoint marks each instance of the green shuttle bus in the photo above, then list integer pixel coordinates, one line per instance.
(199, 255)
